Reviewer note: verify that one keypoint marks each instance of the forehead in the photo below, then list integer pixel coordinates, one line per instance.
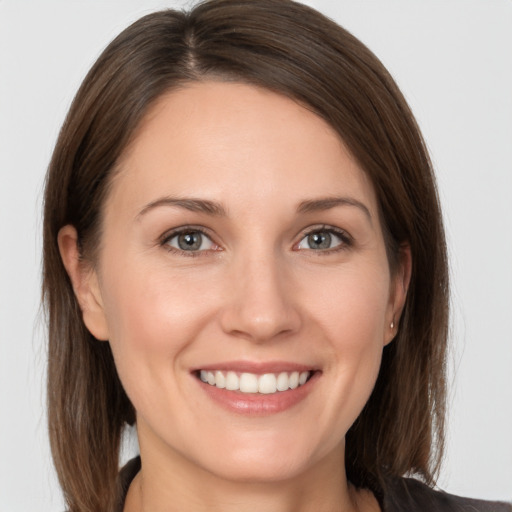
(239, 143)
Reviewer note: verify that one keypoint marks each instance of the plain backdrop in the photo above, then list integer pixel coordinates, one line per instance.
(453, 61)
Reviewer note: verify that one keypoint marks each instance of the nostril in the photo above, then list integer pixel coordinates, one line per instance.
(257, 326)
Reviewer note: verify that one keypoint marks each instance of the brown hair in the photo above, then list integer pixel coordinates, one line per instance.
(291, 49)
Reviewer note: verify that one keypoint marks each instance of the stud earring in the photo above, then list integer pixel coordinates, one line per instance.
(392, 325)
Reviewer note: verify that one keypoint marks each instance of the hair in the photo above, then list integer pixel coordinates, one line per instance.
(293, 50)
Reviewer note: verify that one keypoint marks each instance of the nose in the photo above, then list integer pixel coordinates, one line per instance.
(260, 304)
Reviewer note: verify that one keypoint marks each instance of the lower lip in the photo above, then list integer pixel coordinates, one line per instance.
(258, 404)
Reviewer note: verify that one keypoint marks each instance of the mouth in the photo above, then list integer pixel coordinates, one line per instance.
(246, 382)
(257, 389)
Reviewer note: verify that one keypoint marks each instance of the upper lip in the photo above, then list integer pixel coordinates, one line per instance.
(256, 367)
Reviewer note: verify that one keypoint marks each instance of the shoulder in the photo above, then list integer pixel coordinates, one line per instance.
(409, 495)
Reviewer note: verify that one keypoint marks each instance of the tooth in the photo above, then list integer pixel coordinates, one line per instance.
(303, 377)
(294, 380)
(267, 383)
(248, 383)
(220, 380)
(232, 381)
(283, 382)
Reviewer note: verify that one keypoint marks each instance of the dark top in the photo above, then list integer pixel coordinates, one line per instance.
(403, 495)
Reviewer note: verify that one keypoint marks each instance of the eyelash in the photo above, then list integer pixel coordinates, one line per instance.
(346, 239)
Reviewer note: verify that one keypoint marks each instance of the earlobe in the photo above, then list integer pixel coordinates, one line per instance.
(85, 283)
(400, 286)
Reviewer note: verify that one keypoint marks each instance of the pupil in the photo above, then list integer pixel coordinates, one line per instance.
(319, 240)
(189, 241)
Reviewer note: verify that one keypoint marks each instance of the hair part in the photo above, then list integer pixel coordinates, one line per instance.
(292, 50)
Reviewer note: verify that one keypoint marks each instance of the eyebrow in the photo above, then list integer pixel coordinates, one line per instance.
(216, 209)
(191, 204)
(326, 203)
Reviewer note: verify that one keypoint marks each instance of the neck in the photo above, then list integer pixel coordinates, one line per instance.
(170, 483)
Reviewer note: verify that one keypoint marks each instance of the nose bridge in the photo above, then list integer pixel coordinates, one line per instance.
(261, 304)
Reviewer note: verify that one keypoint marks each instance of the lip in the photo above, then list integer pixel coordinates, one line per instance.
(256, 404)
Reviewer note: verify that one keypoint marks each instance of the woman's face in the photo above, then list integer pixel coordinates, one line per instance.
(242, 245)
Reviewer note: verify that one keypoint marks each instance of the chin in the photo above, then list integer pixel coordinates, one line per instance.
(282, 459)
(257, 470)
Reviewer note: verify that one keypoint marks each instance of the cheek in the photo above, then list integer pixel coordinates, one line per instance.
(146, 304)
(351, 310)
(152, 318)
(352, 304)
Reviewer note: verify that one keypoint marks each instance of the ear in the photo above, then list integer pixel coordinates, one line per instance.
(85, 283)
(399, 285)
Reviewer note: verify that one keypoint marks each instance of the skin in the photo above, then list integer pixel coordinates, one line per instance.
(255, 291)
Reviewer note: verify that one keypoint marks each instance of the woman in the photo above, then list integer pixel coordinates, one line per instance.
(244, 256)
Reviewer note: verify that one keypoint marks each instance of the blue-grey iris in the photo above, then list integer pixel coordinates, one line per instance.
(190, 241)
(319, 240)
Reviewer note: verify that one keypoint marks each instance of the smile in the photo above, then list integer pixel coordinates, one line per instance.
(267, 383)
(257, 388)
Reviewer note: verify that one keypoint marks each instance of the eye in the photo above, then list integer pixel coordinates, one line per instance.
(324, 240)
(191, 240)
